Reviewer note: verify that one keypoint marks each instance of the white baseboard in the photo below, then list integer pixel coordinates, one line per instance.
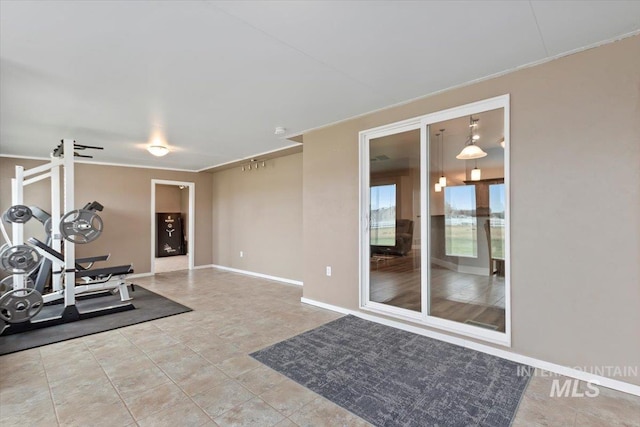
(200, 267)
(469, 269)
(139, 275)
(515, 357)
(466, 269)
(444, 264)
(325, 306)
(254, 274)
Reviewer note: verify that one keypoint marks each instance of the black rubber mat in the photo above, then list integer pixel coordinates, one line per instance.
(148, 306)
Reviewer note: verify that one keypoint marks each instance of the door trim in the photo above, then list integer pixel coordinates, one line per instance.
(365, 196)
(192, 220)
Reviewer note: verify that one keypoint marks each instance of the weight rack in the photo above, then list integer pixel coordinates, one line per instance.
(24, 178)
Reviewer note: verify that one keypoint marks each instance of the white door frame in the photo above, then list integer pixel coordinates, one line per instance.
(192, 219)
(424, 317)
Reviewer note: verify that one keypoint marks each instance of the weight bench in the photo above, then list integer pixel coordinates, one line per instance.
(95, 280)
(79, 261)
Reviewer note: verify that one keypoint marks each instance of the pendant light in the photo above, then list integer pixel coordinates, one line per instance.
(476, 174)
(437, 187)
(471, 150)
(443, 179)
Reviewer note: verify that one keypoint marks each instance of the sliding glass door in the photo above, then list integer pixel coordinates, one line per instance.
(435, 208)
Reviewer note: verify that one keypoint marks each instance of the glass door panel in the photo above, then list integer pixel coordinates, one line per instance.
(467, 220)
(394, 213)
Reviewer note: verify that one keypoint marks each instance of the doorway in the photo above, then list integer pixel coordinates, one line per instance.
(172, 225)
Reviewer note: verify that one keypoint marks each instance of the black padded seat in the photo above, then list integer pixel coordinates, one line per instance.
(118, 270)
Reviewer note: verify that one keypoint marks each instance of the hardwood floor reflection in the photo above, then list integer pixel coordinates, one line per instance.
(466, 298)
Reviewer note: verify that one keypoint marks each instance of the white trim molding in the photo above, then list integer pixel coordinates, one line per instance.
(483, 348)
(191, 233)
(202, 267)
(140, 275)
(129, 165)
(260, 275)
(326, 306)
(467, 269)
(264, 153)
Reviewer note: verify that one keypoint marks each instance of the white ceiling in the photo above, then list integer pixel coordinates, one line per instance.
(217, 77)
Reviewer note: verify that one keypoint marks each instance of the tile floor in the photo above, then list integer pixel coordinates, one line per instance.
(171, 263)
(194, 370)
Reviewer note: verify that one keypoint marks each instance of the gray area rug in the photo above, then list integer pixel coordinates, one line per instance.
(390, 377)
(148, 306)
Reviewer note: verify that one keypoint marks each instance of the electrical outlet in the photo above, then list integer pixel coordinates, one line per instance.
(241, 254)
(329, 270)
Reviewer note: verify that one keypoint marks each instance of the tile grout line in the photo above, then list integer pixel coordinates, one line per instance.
(53, 402)
(172, 380)
(234, 379)
(257, 395)
(287, 417)
(168, 376)
(111, 382)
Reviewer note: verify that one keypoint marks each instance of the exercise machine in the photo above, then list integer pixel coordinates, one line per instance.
(22, 303)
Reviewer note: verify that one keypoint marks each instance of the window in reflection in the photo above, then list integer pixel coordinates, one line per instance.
(496, 220)
(460, 223)
(383, 215)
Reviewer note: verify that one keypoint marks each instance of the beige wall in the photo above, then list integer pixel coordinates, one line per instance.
(125, 193)
(259, 212)
(168, 198)
(575, 182)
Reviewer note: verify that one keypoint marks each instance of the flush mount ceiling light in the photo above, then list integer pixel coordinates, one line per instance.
(280, 130)
(471, 150)
(158, 150)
